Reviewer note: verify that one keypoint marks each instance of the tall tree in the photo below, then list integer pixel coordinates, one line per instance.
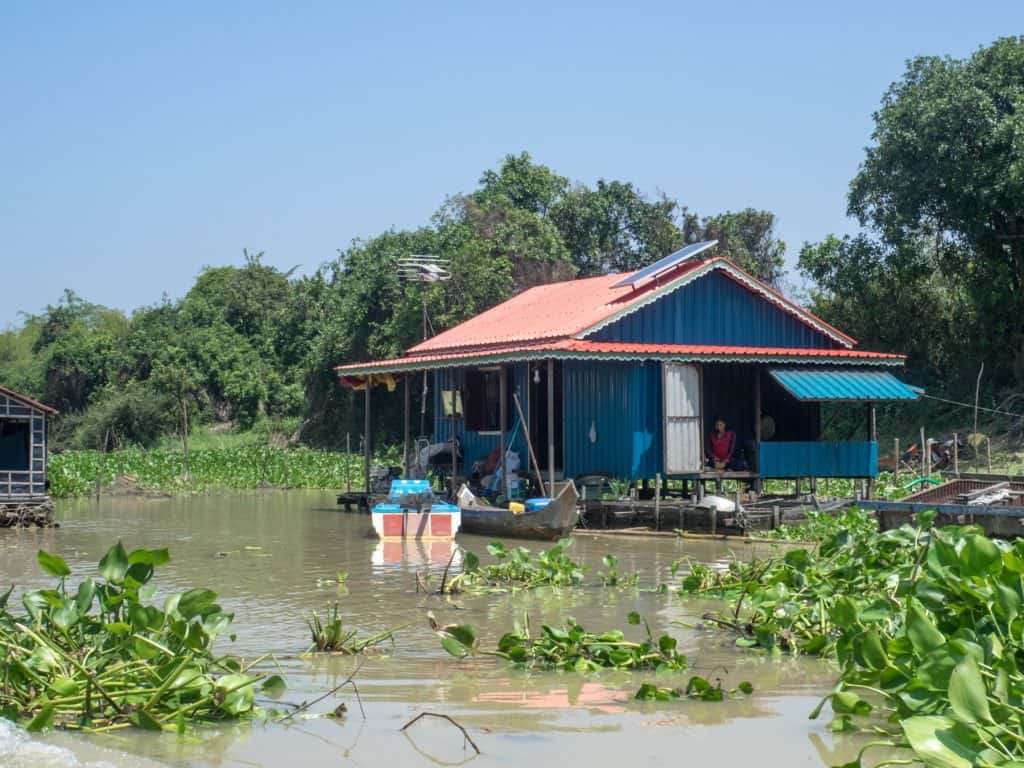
(745, 237)
(946, 168)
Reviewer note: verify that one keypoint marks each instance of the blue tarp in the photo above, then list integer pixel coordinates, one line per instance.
(825, 386)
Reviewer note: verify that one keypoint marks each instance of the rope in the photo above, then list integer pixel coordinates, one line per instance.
(971, 406)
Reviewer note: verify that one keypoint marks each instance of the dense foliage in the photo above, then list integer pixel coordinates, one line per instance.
(939, 270)
(77, 473)
(251, 341)
(100, 656)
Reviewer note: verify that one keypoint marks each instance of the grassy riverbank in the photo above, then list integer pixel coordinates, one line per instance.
(77, 473)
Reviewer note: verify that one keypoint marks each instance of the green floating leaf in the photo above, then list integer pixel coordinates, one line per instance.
(153, 557)
(273, 686)
(43, 719)
(967, 695)
(53, 564)
(923, 634)
(142, 719)
(195, 602)
(933, 740)
(114, 564)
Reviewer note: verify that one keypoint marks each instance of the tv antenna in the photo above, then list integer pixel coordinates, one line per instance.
(424, 268)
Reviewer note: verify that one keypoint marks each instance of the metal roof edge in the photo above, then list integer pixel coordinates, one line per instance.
(28, 401)
(412, 364)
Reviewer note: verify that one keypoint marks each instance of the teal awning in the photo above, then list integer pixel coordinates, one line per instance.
(842, 386)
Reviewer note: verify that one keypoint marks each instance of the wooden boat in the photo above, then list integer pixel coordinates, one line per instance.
(412, 513)
(548, 519)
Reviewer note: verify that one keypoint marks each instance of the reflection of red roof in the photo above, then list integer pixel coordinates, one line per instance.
(27, 401)
(576, 307)
(569, 349)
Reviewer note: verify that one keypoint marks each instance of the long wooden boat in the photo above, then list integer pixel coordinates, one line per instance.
(548, 519)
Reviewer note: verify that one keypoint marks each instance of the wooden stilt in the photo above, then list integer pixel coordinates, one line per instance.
(873, 438)
(503, 418)
(551, 428)
(366, 437)
(405, 431)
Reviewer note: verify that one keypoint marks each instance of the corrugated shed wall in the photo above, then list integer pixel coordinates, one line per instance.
(474, 444)
(714, 310)
(25, 475)
(622, 401)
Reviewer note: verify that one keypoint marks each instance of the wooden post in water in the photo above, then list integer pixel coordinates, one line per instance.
(366, 436)
(455, 441)
(775, 517)
(657, 501)
(988, 450)
(956, 454)
(405, 429)
(758, 484)
(926, 463)
(551, 427)
(896, 464)
(348, 458)
(503, 418)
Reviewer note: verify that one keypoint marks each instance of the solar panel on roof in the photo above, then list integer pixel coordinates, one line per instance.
(673, 259)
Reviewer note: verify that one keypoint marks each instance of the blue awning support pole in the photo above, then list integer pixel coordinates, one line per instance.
(873, 438)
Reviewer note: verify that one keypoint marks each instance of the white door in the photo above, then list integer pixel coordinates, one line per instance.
(683, 440)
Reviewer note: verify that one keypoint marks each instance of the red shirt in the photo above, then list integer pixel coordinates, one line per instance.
(722, 445)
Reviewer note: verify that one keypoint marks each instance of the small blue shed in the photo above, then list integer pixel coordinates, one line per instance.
(624, 375)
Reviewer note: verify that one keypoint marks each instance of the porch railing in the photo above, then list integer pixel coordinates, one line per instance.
(819, 459)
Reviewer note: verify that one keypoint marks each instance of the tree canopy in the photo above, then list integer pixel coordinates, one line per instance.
(250, 341)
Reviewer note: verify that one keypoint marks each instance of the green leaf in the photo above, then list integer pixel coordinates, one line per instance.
(933, 740)
(142, 719)
(980, 556)
(633, 618)
(43, 719)
(746, 687)
(153, 557)
(849, 703)
(872, 652)
(923, 634)
(237, 692)
(844, 613)
(114, 564)
(1007, 602)
(53, 564)
(967, 694)
(84, 598)
(470, 563)
(454, 647)
(273, 686)
(195, 601)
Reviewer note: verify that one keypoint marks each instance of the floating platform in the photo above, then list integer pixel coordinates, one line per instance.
(993, 502)
(27, 513)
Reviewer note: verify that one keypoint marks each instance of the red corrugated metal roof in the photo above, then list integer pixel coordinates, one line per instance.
(573, 307)
(27, 400)
(572, 348)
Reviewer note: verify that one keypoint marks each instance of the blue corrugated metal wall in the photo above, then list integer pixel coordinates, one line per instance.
(714, 310)
(474, 444)
(819, 459)
(623, 403)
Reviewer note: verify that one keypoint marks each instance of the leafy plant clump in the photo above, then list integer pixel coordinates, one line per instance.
(696, 688)
(99, 657)
(926, 623)
(822, 525)
(330, 636)
(569, 647)
(519, 568)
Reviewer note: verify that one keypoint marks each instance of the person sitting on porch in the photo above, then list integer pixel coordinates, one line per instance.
(723, 446)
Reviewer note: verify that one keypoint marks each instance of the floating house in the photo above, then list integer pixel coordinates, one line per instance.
(23, 435)
(623, 375)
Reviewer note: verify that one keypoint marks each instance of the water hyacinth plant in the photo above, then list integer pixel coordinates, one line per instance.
(569, 647)
(519, 568)
(926, 624)
(330, 636)
(100, 657)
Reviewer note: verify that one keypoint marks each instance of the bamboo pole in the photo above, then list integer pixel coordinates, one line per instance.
(529, 442)
(405, 430)
(366, 437)
(956, 454)
(657, 501)
(988, 450)
(925, 459)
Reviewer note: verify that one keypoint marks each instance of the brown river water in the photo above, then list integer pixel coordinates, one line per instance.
(268, 556)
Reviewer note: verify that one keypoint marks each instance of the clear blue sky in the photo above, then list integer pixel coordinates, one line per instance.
(138, 144)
